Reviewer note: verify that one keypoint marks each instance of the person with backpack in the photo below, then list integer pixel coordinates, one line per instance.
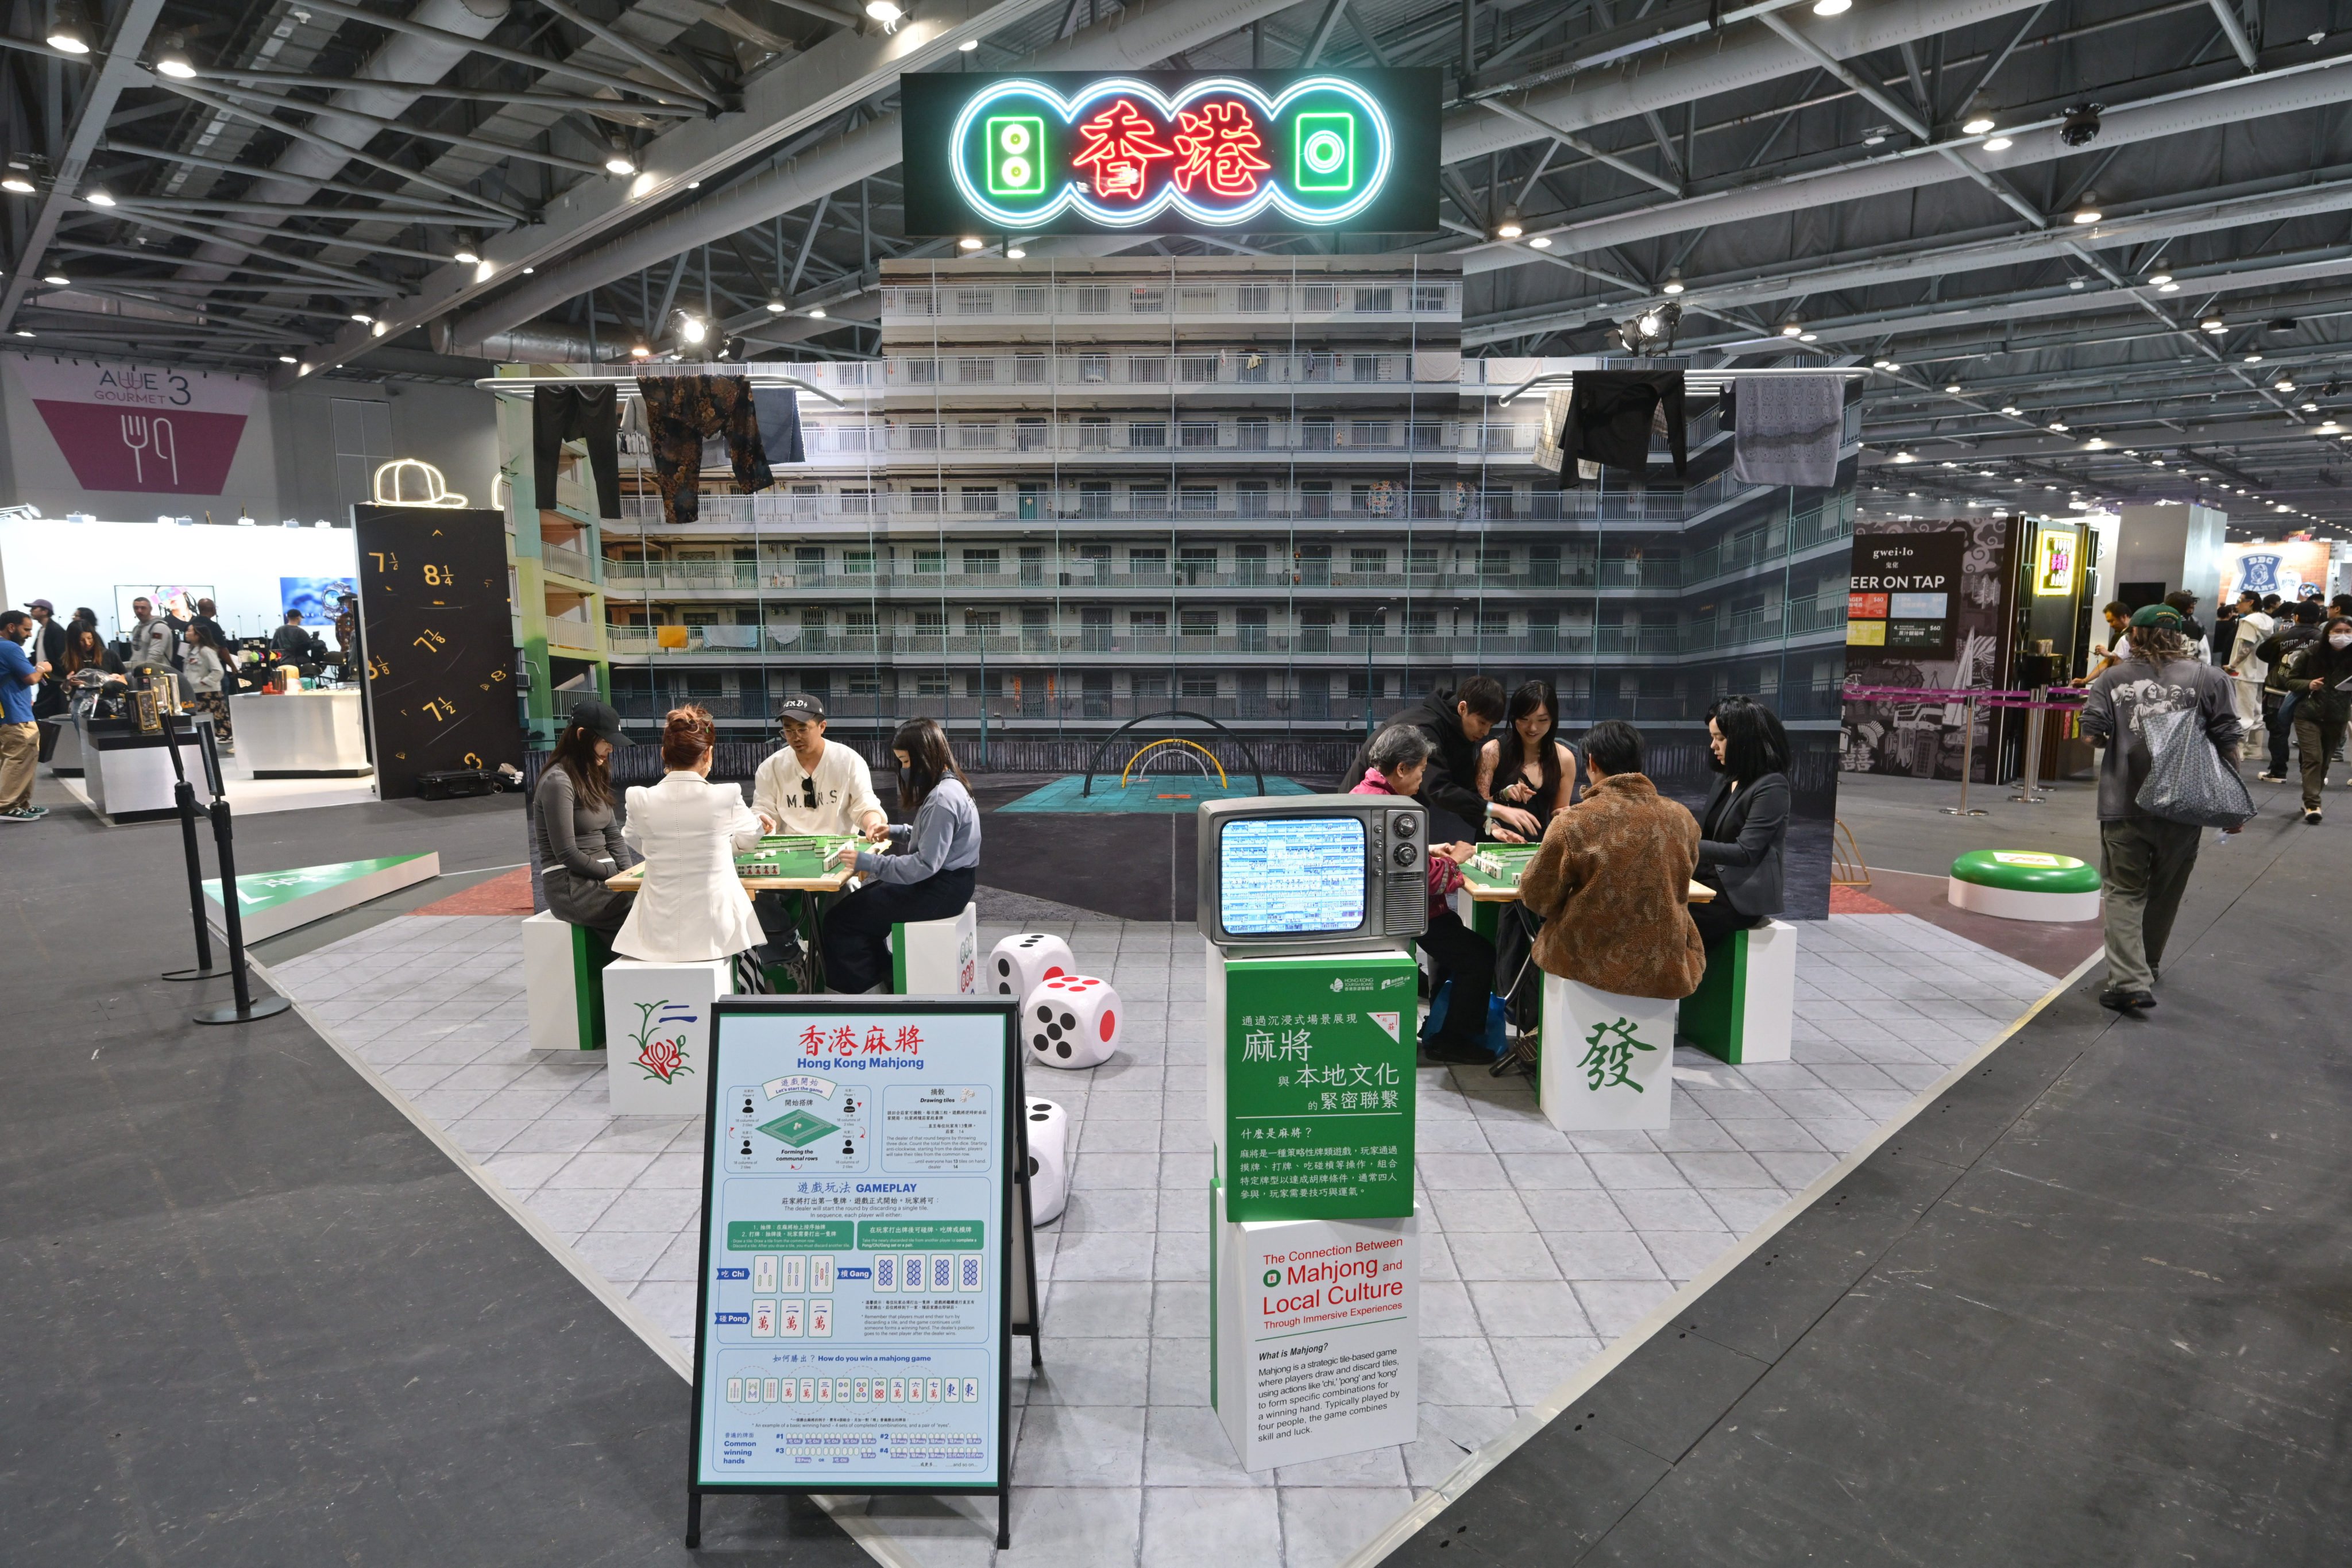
(2278, 697)
(2316, 675)
(2145, 859)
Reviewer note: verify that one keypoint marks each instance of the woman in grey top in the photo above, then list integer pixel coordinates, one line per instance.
(579, 829)
(929, 874)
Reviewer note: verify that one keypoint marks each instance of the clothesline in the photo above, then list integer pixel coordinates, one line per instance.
(627, 384)
(1716, 380)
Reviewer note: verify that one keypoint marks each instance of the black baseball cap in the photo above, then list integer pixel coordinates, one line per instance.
(599, 720)
(800, 705)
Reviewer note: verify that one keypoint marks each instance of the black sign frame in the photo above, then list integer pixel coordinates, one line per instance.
(436, 642)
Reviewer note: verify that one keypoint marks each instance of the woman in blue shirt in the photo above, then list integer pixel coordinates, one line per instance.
(928, 874)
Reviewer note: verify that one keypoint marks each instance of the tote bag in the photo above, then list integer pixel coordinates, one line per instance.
(2186, 780)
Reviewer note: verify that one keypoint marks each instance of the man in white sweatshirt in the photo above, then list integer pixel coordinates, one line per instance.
(810, 784)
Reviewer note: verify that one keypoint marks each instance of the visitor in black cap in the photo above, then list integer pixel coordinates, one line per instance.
(579, 829)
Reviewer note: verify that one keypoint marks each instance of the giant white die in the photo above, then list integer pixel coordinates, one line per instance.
(1608, 1060)
(1071, 1021)
(1049, 1160)
(657, 1034)
(1027, 959)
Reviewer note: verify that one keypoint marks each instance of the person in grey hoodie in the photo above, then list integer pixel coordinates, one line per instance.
(929, 874)
(2145, 861)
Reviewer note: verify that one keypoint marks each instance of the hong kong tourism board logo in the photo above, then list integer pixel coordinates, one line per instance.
(1219, 151)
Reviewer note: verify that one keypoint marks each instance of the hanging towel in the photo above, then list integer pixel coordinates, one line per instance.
(588, 413)
(1787, 430)
(680, 411)
(1611, 415)
(779, 424)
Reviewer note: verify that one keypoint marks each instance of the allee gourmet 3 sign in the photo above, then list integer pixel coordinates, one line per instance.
(122, 426)
(1172, 152)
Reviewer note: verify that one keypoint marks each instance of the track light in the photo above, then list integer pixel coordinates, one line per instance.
(618, 159)
(70, 33)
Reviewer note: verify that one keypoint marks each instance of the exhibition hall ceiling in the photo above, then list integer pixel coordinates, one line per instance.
(2098, 248)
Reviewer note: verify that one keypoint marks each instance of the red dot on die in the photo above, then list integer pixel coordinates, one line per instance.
(1050, 974)
(1110, 1023)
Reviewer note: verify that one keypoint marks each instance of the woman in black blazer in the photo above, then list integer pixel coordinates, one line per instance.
(1746, 821)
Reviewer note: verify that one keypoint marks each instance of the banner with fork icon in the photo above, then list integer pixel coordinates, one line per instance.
(140, 429)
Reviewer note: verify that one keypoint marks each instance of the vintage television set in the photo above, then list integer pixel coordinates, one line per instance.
(1313, 873)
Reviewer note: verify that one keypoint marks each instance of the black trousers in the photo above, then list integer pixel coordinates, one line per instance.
(1716, 919)
(857, 931)
(1468, 959)
(592, 413)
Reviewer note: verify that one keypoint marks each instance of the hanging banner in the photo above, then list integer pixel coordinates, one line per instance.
(1172, 151)
(863, 1258)
(127, 427)
(2291, 568)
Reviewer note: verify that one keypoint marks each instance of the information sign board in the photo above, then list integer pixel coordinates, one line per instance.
(865, 1214)
(1906, 592)
(1172, 151)
(1311, 1098)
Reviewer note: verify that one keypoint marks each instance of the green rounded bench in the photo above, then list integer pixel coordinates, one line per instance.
(2024, 885)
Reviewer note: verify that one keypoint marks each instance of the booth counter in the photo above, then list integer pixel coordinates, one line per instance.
(301, 734)
(127, 775)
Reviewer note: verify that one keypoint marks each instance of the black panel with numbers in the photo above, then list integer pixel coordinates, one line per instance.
(438, 636)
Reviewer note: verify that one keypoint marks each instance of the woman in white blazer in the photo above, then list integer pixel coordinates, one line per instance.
(692, 908)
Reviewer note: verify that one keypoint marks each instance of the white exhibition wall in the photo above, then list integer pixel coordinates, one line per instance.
(241, 569)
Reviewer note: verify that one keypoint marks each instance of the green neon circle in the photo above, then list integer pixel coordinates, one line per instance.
(1325, 151)
(2026, 871)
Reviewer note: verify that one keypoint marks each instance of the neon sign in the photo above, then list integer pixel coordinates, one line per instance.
(1165, 153)
(2053, 557)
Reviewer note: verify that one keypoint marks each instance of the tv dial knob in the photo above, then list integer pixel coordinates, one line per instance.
(1406, 825)
(1406, 855)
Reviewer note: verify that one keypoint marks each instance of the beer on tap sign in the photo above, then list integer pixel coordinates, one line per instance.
(1172, 152)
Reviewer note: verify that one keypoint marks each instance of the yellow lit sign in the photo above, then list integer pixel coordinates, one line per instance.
(2054, 561)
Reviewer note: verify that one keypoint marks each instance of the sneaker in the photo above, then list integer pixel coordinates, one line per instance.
(2271, 778)
(2126, 1001)
(2310, 818)
(24, 814)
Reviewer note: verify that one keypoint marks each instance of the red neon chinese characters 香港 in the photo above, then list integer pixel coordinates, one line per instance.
(1220, 144)
(1120, 148)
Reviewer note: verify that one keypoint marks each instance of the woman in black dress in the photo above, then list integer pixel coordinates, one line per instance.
(1744, 826)
(1525, 762)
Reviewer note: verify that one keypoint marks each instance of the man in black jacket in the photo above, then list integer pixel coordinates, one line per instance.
(1456, 722)
(2279, 698)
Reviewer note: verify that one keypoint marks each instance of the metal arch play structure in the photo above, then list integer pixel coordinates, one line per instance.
(1095, 765)
(1135, 762)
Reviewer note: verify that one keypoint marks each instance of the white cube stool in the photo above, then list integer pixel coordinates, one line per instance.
(937, 958)
(560, 982)
(1071, 1021)
(658, 1040)
(1608, 1060)
(1022, 962)
(1741, 1011)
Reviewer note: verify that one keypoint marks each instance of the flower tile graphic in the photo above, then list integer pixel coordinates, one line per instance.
(660, 1038)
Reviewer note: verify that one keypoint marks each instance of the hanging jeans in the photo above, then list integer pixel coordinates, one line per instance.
(592, 413)
(1610, 418)
(680, 410)
(779, 424)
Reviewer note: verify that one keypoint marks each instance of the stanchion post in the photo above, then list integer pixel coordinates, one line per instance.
(183, 795)
(248, 1007)
(1967, 756)
(2035, 706)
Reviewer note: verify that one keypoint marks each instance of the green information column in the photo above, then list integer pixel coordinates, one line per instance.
(1314, 1261)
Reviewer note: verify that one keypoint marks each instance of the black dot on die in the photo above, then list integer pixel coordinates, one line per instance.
(1064, 1048)
(1044, 1014)
(1069, 1021)
(1055, 1030)
(1038, 1041)
(1039, 1115)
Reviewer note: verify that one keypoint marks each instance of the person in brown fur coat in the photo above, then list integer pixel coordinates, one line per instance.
(1611, 882)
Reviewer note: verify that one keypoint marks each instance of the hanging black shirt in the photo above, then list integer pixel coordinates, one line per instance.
(1610, 416)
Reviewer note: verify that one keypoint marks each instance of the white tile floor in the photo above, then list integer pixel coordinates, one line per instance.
(1539, 1248)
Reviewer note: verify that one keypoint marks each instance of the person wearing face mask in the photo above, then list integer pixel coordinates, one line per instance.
(692, 908)
(1744, 827)
(929, 874)
(2317, 674)
(1456, 723)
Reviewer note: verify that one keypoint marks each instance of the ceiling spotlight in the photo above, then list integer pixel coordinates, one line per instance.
(1954, 389)
(1875, 136)
(968, 242)
(639, 351)
(618, 160)
(2214, 324)
(1978, 123)
(2077, 283)
(1014, 253)
(690, 328)
(98, 196)
(1792, 327)
(171, 59)
(1807, 337)
(2059, 426)
(2283, 384)
(886, 12)
(1673, 283)
(16, 184)
(776, 306)
(70, 33)
(2010, 410)
(816, 312)
(967, 46)
(1904, 457)
(2088, 211)
(1998, 144)
(1831, 7)
(377, 329)
(24, 331)
(1882, 364)
(2167, 287)
(2329, 427)
(1543, 242)
(2311, 408)
(286, 358)
(2096, 444)
(57, 280)
(1509, 227)
(361, 317)
(2082, 125)
(2253, 359)
(2158, 461)
(2159, 275)
(466, 255)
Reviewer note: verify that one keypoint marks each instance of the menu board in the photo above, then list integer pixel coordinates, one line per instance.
(1291, 876)
(1906, 592)
(856, 1292)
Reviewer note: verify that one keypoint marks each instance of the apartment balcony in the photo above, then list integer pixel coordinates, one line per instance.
(576, 564)
(1113, 646)
(1016, 376)
(748, 581)
(1114, 306)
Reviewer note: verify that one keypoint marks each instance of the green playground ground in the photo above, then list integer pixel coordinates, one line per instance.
(1167, 795)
